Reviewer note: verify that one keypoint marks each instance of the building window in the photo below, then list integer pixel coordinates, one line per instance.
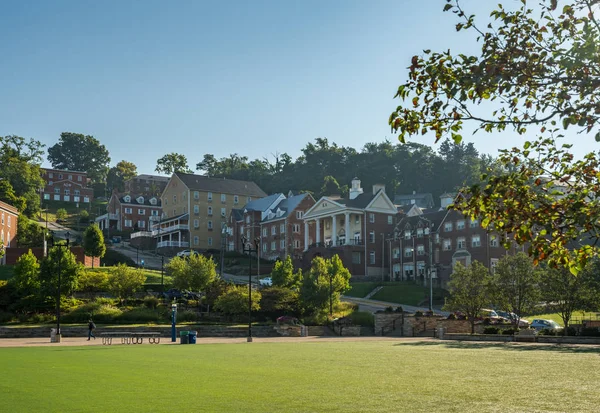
(77, 192)
(409, 271)
(461, 243)
(282, 244)
(408, 251)
(59, 176)
(282, 229)
(154, 213)
(9, 217)
(236, 199)
(407, 234)
(67, 192)
(128, 210)
(272, 245)
(493, 240)
(141, 224)
(196, 209)
(209, 196)
(51, 175)
(493, 264)
(50, 183)
(476, 241)
(86, 199)
(437, 238)
(265, 232)
(372, 237)
(57, 190)
(460, 224)
(356, 257)
(196, 240)
(174, 199)
(46, 197)
(196, 224)
(447, 246)
(297, 243)
(396, 253)
(247, 219)
(372, 257)
(474, 223)
(421, 268)
(210, 225)
(209, 241)
(210, 211)
(196, 195)
(248, 199)
(327, 225)
(223, 198)
(390, 220)
(296, 228)
(223, 212)
(419, 232)
(79, 178)
(273, 230)
(264, 247)
(141, 212)
(128, 223)
(426, 230)
(420, 250)
(372, 218)
(448, 227)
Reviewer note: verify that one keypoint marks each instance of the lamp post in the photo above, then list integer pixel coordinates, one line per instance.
(60, 246)
(247, 248)
(162, 275)
(173, 321)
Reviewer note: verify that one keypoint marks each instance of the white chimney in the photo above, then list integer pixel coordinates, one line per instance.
(378, 187)
(355, 190)
(446, 199)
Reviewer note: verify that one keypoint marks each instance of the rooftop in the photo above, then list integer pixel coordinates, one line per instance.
(221, 185)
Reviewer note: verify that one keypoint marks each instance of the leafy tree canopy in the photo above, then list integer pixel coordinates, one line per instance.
(119, 174)
(93, 242)
(125, 281)
(59, 258)
(27, 274)
(283, 274)
(193, 273)
(29, 233)
(234, 301)
(78, 152)
(171, 163)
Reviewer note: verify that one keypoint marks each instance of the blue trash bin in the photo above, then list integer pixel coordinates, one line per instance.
(192, 337)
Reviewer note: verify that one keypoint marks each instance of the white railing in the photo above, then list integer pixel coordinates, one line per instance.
(141, 234)
(177, 244)
(166, 230)
(113, 216)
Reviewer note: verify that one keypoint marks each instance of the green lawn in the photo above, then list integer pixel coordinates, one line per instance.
(577, 316)
(369, 376)
(405, 293)
(152, 276)
(360, 290)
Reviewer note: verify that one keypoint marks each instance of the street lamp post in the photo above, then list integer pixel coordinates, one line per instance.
(247, 248)
(55, 244)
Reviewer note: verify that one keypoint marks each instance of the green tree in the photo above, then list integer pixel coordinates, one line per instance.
(20, 169)
(119, 174)
(78, 152)
(93, 242)
(234, 301)
(516, 285)
(323, 284)
(91, 282)
(278, 301)
(330, 186)
(125, 281)
(29, 233)
(84, 216)
(283, 274)
(2, 251)
(61, 260)
(61, 214)
(171, 163)
(536, 69)
(27, 274)
(193, 273)
(470, 290)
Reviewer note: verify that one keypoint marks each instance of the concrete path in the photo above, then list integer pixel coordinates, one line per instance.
(375, 305)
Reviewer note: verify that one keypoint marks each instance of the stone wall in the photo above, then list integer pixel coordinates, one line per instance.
(387, 322)
(347, 331)
(414, 326)
(455, 326)
(319, 331)
(478, 337)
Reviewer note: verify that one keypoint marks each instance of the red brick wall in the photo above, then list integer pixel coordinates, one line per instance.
(8, 229)
(13, 254)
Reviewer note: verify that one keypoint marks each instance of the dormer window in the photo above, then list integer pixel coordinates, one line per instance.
(140, 200)
(153, 201)
(127, 198)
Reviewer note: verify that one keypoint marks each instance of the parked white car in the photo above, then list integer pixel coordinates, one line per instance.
(266, 282)
(186, 253)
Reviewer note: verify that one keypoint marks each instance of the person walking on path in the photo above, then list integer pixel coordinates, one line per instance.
(91, 327)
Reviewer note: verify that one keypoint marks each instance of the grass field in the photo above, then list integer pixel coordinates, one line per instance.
(367, 376)
(360, 290)
(405, 293)
(577, 316)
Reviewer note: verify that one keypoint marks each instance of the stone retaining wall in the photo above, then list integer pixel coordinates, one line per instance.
(478, 337)
(387, 322)
(347, 331)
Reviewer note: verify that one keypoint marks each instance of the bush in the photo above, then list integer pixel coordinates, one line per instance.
(100, 313)
(389, 309)
(105, 301)
(546, 332)
(151, 302)
(509, 331)
(490, 330)
(113, 257)
(590, 331)
(487, 321)
(187, 316)
(399, 309)
(429, 313)
(6, 317)
(143, 315)
(571, 331)
(418, 313)
(362, 318)
(452, 316)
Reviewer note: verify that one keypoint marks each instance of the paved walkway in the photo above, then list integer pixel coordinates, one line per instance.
(82, 341)
(374, 305)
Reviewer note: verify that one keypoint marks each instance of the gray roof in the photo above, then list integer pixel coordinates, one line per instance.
(261, 204)
(134, 200)
(238, 214)
(221, 185)
(287, 205)
(424, 200)
(151, 177)
(361, 201)
(434, 217)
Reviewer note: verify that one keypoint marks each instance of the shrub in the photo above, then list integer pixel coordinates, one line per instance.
(114, 257)
(187, 316)
(490, 330)
(452, 316)
(105, 301)
(100, 313)
(151, 302)
(590, 331)
(418, 313)
(6, 317)
(429, 313)
(389, 309)
(509, 331)
(399, 309)
(487, 321)
(546, 332)
(570, 331)
(362, 318)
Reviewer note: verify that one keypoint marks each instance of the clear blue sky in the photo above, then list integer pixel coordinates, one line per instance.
(253, 77)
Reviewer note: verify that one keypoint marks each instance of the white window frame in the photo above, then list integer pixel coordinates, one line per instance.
(371, 218)
(141, 211)
(282, 229)
(265, 232)
(223, 212)
(209, 196)
(372, 257)
(476, 241)
(236, 199)
(223, 198)
(273, 229)
(209, 224)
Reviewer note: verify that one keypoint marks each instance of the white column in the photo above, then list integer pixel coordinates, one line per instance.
(334, 230)
(305, 235)
(347, 228)
(318, 236)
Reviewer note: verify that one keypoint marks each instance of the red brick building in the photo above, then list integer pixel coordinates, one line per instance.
(66, 186)
(129, 212)
(355, 228)
(8, 226)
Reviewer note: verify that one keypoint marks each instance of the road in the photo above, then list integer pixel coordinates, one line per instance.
(60, 231)
(374, 305)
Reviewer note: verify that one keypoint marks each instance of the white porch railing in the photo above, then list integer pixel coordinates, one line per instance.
(176, 244)
(166, 230)
(141, 234)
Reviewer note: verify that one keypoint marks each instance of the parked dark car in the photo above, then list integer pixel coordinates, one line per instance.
(172, 294)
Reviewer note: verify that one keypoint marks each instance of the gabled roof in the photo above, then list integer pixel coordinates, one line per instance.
(134, 200)
(435, 218)
(287, 205)
(9, 208)
(423, 200)
(361, 201)
(261, 204)
(221, 185)
(151, 177)
(237, 214)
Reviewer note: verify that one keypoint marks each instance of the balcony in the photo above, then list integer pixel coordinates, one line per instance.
(329, 244)
(172, 228)
(141, 234)
(173, 244)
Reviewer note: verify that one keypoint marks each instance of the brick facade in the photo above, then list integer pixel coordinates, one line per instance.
(133, 212)
(9, 216)
(13, 254)
(66, 186)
